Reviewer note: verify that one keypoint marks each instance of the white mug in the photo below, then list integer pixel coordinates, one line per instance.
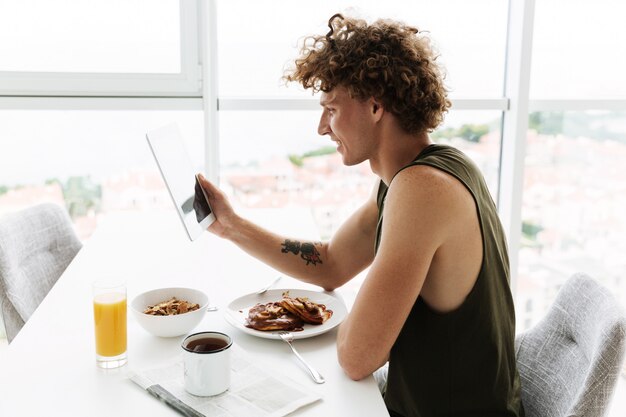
(206, 359)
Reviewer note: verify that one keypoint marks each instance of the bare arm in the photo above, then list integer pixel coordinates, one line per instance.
(417, 221)
(328, 264)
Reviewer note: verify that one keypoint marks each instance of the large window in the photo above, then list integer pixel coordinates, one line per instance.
(578, 50)
(573, 207)
(93, 162)
(99, 48)
(80, 84)
(277, 159)
(92, 37)
(573, 189)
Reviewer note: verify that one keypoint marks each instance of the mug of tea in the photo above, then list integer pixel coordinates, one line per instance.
(206, 360)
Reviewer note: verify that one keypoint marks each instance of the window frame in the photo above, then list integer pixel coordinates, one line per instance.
(186, 83)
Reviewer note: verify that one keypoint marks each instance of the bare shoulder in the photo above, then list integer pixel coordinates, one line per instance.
(424, 175)
(423, 184)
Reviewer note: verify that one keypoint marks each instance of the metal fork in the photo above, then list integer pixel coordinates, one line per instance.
(270, 285)
(317, 377)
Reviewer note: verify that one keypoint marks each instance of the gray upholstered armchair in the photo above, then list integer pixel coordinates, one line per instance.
(570, 361)
(36, 245)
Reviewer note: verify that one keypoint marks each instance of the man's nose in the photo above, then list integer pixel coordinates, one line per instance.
(323, 128)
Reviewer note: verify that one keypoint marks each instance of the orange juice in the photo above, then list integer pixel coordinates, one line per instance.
(109, 312)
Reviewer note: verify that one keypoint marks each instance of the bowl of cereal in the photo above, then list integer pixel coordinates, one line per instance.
(169, 312)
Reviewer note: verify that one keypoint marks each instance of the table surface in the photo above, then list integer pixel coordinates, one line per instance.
(50, 369)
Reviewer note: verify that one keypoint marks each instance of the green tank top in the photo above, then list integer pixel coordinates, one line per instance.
(460, 363)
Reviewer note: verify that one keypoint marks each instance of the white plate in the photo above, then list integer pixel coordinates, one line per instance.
(237, 311)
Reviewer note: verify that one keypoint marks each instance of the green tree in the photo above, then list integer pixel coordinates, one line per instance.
(473, 133)
(469, 132)
(531, 230)
(548, 123)
(298, 160)
(81, 194)
(51, 181)
(324, 150)
(447, 133)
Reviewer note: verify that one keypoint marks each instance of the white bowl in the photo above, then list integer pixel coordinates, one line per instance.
(169, 326)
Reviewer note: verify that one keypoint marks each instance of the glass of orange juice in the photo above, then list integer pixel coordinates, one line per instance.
(109, 313)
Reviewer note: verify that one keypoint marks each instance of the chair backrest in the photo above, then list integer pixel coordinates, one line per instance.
(36, 245)
(570, 361)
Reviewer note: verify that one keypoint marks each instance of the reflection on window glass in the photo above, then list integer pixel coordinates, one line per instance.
(92, 162)
(252, 53)
(578, 49)
(573, 206)
(130, 36)
(277, 160)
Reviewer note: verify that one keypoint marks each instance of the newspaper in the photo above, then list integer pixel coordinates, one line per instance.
(253, 391)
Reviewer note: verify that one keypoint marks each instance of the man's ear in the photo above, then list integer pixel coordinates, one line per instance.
(377, 110)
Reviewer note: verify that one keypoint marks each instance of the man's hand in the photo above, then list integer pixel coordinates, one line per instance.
(223, 211)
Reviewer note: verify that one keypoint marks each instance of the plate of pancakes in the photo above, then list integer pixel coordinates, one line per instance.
(304, 313)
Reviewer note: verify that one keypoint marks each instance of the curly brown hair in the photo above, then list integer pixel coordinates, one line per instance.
(387, 60)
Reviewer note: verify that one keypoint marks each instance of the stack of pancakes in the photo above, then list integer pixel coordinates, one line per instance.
(288, 314)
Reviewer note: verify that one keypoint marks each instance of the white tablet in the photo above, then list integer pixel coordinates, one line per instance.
(177, 171)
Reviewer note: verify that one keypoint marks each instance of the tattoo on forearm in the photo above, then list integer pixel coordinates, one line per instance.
(307, 251)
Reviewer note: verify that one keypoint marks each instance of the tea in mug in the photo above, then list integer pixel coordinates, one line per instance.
(207, 344)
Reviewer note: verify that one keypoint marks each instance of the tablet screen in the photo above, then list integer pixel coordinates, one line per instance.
(177, 171)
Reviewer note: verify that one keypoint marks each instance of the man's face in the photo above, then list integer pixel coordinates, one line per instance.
(347, 121)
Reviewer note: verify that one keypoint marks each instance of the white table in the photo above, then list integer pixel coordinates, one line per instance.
(49, 368)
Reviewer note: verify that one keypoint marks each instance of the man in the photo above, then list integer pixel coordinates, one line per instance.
(436, 303)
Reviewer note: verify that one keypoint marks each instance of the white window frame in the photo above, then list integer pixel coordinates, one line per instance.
(515, 126)
(186, 83)
(278, 103)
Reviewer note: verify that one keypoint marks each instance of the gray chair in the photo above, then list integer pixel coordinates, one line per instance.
(36, 245)
(570, 361)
